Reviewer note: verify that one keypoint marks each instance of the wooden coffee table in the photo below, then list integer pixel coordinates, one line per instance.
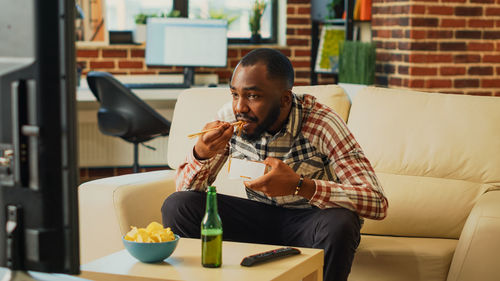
(185, 264)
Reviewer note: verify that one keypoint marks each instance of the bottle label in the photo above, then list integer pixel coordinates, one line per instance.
(211, 231)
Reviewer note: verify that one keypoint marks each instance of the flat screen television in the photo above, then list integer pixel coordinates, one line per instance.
(38, 160)
(186, 42)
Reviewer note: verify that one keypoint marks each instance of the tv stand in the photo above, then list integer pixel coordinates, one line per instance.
(188, 82)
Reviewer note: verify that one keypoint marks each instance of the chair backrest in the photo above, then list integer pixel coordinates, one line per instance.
(122, 113)
(434, 154)
(197, 106)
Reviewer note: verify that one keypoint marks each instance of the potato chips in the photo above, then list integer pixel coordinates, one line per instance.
(153, 233)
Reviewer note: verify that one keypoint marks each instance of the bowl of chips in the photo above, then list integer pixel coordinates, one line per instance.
(151, 244)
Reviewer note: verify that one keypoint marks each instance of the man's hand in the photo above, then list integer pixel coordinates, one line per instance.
(281, 180)
(213, 142)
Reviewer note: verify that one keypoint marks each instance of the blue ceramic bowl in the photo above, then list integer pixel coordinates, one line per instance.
(151, 252)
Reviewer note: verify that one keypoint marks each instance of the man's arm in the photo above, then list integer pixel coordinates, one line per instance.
(206, 159)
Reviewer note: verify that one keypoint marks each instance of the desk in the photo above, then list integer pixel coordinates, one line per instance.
(185, 264)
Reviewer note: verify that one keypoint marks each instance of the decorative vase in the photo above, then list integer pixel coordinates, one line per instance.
(255, 38)
(140, 33)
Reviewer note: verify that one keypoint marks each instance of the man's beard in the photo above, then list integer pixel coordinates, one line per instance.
(264, 126)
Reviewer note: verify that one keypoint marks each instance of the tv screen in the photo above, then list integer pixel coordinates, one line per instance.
(186, 42)
(38, 162)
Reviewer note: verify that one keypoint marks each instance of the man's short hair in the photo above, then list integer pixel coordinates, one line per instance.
(278, 65)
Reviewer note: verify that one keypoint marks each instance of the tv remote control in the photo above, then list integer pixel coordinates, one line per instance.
(269, 255)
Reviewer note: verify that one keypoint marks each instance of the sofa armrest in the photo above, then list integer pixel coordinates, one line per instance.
(476, 255)
(109, 206)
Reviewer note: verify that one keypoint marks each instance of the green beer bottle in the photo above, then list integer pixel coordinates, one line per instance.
(211, 232)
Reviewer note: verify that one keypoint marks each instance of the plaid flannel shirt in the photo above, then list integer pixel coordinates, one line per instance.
(316, 143)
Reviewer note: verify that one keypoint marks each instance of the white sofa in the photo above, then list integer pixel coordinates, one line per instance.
(437, 156)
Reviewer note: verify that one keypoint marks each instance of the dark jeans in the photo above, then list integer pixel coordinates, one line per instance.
(335, 230)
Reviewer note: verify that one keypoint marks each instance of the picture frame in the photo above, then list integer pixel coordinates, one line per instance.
(90, 23)
(328, 49)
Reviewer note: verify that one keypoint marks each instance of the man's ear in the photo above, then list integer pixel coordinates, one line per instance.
(286, 98)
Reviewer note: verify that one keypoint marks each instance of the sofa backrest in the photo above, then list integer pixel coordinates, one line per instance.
(196, 106)
(435, 154)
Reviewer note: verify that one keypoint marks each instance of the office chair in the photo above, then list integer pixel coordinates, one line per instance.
(123, 114)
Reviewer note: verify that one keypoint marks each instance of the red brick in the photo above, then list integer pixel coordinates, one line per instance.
(382, 33)
(438, 83)
(303, 31)
(395, 81)
(483, 1)
(102, 64)
(403, 69)
(417, 34)
(468, 34)
(479, 93)
(480, 70)
(452, 23)
(468, 11)
(290, 31)
(137, 53)
(491, 35)
(114, 53)
(297, 42)
(498, 70)
(490, 83)
(439, 34)
(475, 46)
(481, 23)
(424, 22)
(416, 83)
(232, 53)
(491, 58)
(417, 9)
(419, 71)
(302, 53)
(304, 10)
(452, 46)
(426, 58)
(453, 1)
(466, 83)
(296, 63)
(466, 58)
(302, 74)
(440, 10)
(87, 53)
(130, 64)
(490, 11)
(295, 20)
(451, 70)
(290, 10)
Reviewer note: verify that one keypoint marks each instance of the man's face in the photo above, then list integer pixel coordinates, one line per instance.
(256, 100)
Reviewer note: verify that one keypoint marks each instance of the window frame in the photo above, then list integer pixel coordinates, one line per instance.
(183, 7)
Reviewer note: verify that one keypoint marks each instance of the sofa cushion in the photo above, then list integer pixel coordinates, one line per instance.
(425, 206)
(435, 152)
(383, 258)
(190, 115)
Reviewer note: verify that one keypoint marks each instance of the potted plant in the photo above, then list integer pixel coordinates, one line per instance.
(142, 18)
(255, 17)
(140, 26)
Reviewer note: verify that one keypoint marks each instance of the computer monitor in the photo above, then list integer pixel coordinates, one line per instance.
(38, 160)
(186, 42)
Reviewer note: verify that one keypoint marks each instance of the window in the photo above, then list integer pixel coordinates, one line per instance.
(237, 12)
(121, 14)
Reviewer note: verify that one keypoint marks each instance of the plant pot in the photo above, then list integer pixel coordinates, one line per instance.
(255, 38)
(140, 33)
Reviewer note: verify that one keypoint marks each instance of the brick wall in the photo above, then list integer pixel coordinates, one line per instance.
(450, 46)
(129, 59)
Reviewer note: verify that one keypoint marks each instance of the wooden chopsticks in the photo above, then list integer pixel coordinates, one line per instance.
(238, 124)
